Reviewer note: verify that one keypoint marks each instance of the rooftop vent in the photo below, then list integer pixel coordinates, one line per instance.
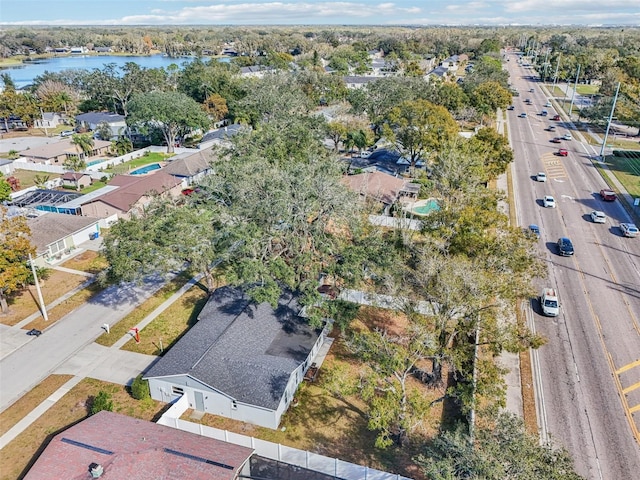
(96, 470)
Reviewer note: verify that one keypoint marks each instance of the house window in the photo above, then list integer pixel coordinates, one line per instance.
(177, 390)
(234, 405)
(57, 247)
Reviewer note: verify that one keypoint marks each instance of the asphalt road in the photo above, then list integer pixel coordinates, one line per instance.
(23, 369)
(588, 392)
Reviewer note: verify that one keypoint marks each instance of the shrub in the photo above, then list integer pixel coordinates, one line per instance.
(102, 401)
(140, 388)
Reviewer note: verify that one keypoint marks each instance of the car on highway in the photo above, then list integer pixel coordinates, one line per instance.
(608, 195)
(549, 302)
(544, 113)
(551, 128)
(34, 332)
(548, 104)
(562, 152)
(598, 217)
(511, 107)
(523, 115)
(531, 90)
(541, 177)
(67, 133)
(528, 101)
(556, 118)
(556, 140)
(549, 202)
(567, 136)
(629, 230)
(565, 247)
(534, 230)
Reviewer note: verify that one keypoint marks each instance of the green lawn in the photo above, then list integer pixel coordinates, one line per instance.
(627, 170)
(587, 89)
(138, 162)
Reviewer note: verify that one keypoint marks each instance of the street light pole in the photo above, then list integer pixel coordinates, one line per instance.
(43, 307)
(606, 133)
(575, 86)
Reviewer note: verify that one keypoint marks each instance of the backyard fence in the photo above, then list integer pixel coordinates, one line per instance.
(311, 461)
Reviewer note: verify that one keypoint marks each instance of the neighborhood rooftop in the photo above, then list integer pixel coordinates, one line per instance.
(245, 350)
(122, 447)
(51, 227)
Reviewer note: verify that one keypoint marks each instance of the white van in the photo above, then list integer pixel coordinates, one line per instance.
(549, 302)
(365, 154)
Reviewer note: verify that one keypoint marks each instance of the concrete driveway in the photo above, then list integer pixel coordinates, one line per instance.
(22, 143)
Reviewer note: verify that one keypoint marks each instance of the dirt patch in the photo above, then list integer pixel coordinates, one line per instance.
(21, 453)
(53, 287)
(87, 261)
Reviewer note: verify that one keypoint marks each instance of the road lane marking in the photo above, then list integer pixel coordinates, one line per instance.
(628, 366)
(631, 388)
(628, 412)
(634, 409)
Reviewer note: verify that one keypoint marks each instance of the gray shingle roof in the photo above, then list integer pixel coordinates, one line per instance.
(51, 227)
(190, 165)
(244, 350)
(98, 117)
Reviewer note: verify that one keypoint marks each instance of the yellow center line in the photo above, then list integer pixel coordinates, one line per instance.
(628, 366)
(634, 409)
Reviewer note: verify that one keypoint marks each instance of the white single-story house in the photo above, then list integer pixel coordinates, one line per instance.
(48, 120)
(241, 360)
(56, 235)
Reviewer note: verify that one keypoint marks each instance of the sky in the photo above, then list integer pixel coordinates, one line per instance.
(319, 12)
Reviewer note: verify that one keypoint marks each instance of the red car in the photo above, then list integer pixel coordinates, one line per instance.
(556, 140)
(563, 152)
(608, 195)
(556, 117)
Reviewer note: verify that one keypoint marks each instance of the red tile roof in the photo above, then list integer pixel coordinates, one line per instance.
(132, 449)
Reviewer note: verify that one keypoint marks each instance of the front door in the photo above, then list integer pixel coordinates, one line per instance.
(199, 401)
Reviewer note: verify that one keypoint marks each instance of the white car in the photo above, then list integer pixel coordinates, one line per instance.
(629, 230)
(598, 217)
(541, 177)
(549, 202)
(548, 104)
(567, 136)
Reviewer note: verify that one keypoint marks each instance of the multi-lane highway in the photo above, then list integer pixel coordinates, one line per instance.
(588, 388)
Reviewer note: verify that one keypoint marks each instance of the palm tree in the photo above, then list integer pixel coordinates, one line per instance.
(121, 146)
(41, 181)
(84, 144)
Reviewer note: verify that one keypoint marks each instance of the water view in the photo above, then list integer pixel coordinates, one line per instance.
(24, 74)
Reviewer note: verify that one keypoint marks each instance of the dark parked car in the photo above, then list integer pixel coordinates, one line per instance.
(34, 332)
(565, 247)
(608, 195)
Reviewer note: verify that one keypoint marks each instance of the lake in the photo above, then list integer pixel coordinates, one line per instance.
(24, 74)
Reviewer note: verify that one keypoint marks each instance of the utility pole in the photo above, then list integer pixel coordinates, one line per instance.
(606, 133)
(555, 75)
(575, 86)
(544, 72)
(43, 308)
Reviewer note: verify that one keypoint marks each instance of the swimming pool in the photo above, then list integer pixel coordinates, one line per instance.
(95, 162)
(423, 207)
(146, 169)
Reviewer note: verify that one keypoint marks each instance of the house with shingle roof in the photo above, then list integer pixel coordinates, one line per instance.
(57, 153)
(191, 167)
(56, 235)
(381, 187)
(111, 446)
(77, 180)
(241, 360)
(92, 120)
(134, 194)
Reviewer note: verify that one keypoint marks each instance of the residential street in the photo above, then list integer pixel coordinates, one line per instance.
(26, 366)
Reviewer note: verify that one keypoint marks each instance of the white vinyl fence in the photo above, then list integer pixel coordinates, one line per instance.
(274, 451)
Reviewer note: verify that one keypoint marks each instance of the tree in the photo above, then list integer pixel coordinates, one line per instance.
(500, 451)
(103, 130)
(418, 128)
(41, 180)
(337, 132)
(489, 96)
(102, 401)
(121, 146)
(170, 112)
(395, 409)
(216, 106)
(494, 150)
(15, 248)
(5, 189)
(84, 146)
